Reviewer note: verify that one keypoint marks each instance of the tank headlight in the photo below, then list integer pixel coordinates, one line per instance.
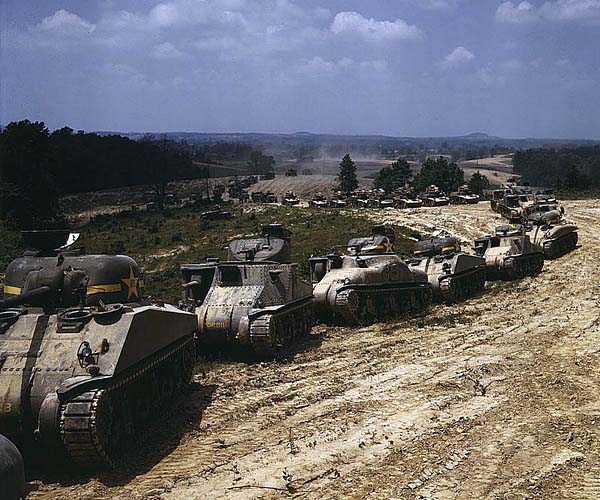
(346, 281)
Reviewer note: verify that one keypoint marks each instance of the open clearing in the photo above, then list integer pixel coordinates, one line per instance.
(498, 398)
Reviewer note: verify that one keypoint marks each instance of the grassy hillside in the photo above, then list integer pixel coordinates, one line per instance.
(160, 242)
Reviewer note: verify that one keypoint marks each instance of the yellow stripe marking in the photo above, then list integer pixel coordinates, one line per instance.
(12, 290)
(91, 290)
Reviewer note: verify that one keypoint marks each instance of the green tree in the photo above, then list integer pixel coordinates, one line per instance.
(445, 175)
(393, 177)
(260, 164)
(347, 176)
(28, 194)
(478, 183)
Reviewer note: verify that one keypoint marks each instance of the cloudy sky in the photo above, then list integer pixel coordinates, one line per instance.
(396, 67)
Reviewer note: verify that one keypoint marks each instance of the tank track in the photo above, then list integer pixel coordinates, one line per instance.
(99, 426)
(273, 333)
(561, 246)
(358, 306)
(458, 288)
(524, 265)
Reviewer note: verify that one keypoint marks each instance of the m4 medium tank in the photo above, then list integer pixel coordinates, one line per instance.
(550, 230)
(85, 363)
(369, 284)
(453, 275)
(12, 471)
(510, 254)
(256, 299)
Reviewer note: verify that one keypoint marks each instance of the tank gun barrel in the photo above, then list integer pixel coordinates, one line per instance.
(23, 298)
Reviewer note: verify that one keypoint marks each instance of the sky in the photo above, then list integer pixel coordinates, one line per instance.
(393, 67)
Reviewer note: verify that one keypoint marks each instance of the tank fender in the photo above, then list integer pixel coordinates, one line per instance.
(74, 386)
(48, 419)
(243, 335)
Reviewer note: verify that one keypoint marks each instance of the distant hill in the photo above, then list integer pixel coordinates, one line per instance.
(307, 138)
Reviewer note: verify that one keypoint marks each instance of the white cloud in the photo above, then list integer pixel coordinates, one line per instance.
(509, 12)
(571, 10)
(164, 14)
(551, 10)
(65, 23)
(458, 57)
(353, 22)
(166, 50)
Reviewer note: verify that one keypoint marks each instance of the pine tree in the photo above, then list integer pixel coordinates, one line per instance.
(393, 177)
(347, 176)
(478, 183)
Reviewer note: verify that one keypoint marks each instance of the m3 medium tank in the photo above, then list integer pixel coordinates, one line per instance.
(454, 275)
(85, 362)
(549, 229)
(256, 299)
(12, 473)
(510, 254)
(369, 284)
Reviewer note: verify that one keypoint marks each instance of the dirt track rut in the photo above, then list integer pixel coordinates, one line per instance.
(498, 398)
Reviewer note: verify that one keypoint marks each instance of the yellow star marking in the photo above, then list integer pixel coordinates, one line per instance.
(132, 284)
(389, 246)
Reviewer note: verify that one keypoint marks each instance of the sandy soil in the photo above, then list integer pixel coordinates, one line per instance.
(304, 186)
(498, 398)
(498, 168)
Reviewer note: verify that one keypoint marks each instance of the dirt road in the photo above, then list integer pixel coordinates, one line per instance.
(498, 398)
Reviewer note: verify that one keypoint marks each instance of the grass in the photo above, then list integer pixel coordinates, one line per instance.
(161, 241)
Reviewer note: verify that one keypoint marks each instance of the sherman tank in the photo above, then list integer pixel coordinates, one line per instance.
(12, 473)
(464, 196)
(434, 197)
(510, 254)
(256, 299)
(290, 199)
(86, 362)
(371, 283)
(549, 229)
(454, 275)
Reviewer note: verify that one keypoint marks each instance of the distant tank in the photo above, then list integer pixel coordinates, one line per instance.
(256, 299)
(510, 254)
(497, 197)
(319, 201)
(434, 197)
(549, 229)
(464, 196)
(290, 199)
(410, 202)
(369, 284)
(454, 275)
(12, 473)
(216, 214)
(86, 363)
(510, 208)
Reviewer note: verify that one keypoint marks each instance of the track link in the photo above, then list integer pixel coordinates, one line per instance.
(457, 288)
(99, 426)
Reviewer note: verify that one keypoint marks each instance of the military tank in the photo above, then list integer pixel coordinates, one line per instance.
(549, 229)
(464, 196)
(454, 275)
(370, 283)
(255, 299)
(86, 362)
(290, 199)
(510, 254)
(12, 473)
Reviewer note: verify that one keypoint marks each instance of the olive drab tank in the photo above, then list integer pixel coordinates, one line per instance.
(454, 275)
(371, 283)
(256, 299)
(12, 473)
(510, 254)
(550, 230)
(85, 361)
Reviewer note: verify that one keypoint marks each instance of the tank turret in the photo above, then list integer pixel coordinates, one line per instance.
(76, 331)
(370, 283)
(548, 228)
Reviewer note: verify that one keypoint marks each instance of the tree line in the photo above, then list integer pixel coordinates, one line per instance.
(38, 166)
(570, 169)
(444, 174)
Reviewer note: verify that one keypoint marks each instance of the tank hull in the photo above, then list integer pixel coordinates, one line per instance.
(48, 369)
(556, 240)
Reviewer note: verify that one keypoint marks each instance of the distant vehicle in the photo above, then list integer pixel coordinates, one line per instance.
(497, 196)
(268, 176)
(510, 254)
(292, 172)
(454, 275)
(434, 197)
(290, 199)
(216, 214)
(371, 283)
(548, 228)
(464, 196)
(410, 203)
(319, 201)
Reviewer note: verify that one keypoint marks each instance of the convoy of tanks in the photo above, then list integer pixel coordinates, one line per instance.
(87, 362)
